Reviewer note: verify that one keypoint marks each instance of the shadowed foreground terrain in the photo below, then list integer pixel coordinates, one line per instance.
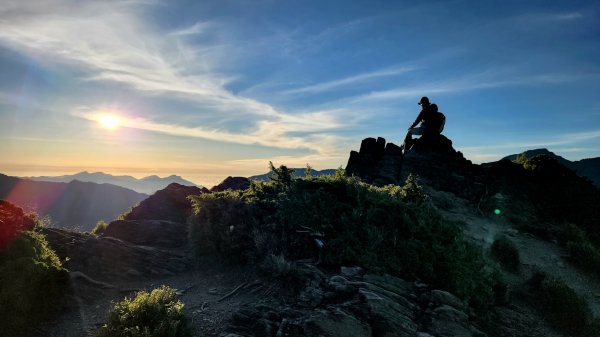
(425, 244)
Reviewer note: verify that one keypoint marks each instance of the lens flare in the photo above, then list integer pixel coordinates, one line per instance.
(497, 211)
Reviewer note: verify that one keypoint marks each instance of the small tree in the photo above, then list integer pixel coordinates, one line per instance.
(282, 176)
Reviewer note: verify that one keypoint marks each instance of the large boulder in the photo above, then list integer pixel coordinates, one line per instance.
(440, 166)
(376, 162)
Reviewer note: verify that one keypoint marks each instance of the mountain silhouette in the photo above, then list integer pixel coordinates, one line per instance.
(147, 185)
(589, 167)
(73, 205)
(298, 172)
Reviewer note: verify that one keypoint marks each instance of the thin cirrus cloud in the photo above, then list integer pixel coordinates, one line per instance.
(270, 133)
(484, 80)
(114, 44)
(349, 81)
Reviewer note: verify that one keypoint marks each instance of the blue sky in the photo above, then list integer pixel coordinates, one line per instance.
(207, 89)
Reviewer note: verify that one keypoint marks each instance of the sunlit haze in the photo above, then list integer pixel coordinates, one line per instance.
(109, 121)
(208, 89)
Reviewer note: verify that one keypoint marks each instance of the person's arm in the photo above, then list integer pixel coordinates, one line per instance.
(418, 120)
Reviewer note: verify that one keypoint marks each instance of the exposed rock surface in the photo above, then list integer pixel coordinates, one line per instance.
(376, 162)
(232, 183)
(108, 259)
(170, 204)
(440, 166)
(433, 159)
(156, 233)
(358, 305)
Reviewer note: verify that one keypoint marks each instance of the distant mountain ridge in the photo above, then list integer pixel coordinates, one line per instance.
(589, 167)
(298, 172)
(73, 205)
(147, 185)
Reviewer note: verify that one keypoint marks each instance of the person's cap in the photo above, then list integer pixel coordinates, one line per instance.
(424, 99)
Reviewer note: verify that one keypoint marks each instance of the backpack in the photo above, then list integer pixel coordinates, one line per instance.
(437, 122)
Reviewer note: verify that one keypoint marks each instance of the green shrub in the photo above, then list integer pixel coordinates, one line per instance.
(99, 228)
(224, 225)
(32, 284)
(562, 306)
(504, 251)
(155, 314)
(341, 221)
(584, 255)
(411, 190)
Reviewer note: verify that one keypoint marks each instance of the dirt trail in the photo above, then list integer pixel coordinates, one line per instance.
(535, 253)
(202, 290)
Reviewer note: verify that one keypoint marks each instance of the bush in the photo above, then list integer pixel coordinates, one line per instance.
(504, 251)
(338, 220)
(32, 284)
(99, 228)
(585, 255)
(12, 222)
(155, 314)
(562, 306)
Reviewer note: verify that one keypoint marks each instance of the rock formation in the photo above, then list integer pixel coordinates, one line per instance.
(433, 159)
(352, 303)
(109, 259)
(376, 162)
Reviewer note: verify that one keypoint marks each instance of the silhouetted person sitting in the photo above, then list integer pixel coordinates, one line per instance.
(431, 123)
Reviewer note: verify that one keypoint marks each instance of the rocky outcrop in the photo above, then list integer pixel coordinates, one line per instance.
(440, 166)
(109, 259)
(232, 183)
(353, 304)
(376, 162)
(433, 159)
(169, 204)
(155, 233)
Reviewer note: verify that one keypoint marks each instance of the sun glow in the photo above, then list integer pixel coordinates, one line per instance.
(110, 122)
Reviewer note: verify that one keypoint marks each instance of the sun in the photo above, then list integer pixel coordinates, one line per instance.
(110, 122)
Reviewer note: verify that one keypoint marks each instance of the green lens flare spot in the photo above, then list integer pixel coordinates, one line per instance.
(497, 211)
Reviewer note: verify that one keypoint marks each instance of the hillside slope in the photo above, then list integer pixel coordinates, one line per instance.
(74, 205)
(147, 185)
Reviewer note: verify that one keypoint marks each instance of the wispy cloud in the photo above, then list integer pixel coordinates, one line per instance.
(483, 80)
(112, 42)
(195, 29)
(270, 133)
(348, 81)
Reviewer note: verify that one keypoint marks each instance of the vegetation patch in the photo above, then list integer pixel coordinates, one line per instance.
(506, 253)
(99, 228)
(158, 313)
(564, 308)
(338, 220)
(32, 284)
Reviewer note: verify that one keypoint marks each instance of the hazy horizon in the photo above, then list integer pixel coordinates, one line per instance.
(209, 90)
